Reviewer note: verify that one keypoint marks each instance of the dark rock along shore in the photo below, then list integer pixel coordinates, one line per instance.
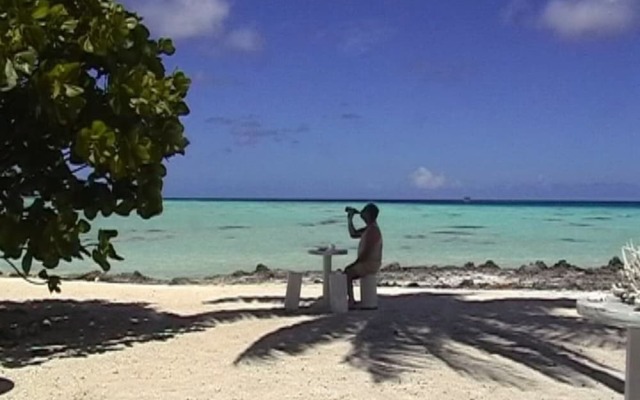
(539, 276)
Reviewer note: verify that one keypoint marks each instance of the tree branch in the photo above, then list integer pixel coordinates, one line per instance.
(21, 274)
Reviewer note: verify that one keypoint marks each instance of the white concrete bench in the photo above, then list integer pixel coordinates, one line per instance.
(294, 285)
(337, 301)
(369, 292)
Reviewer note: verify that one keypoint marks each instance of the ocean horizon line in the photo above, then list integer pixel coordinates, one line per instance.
(458, 201)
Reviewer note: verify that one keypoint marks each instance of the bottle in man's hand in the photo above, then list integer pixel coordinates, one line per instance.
(351, 210)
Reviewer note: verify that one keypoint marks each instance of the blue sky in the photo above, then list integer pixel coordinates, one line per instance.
(418, 99)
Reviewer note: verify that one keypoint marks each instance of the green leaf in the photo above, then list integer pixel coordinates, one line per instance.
(182, 109)
(36, 36)
(57, 89)
(83, 226)
(98, 128)
(142, 152)
(105, 235)
(107, 209)
(65, 72)
(25, 61)
(10, 76)
(131, 23)
(111, 253)
(51, 261)
(58, 10)
(41, 11)
(53, 283)
(69, 25)
(160, 170)
(72, 90)
(91, 212)
(181, 82)
(87, 45)
(101, 260)
(166, 46)
(108, 233)
(125, 207)
(26, 263)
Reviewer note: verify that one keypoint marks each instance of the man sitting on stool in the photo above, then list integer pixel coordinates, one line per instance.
(369, 249)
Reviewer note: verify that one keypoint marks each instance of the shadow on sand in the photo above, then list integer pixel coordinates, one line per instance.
(412, 331)
(406, 333)
(34, 332)
(6, 386)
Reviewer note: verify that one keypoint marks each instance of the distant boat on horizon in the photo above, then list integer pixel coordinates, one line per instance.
(467, 199)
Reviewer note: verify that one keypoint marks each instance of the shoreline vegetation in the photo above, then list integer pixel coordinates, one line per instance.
(535, 276)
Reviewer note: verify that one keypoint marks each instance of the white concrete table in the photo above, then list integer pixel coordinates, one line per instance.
(609, 310)
(326, 268)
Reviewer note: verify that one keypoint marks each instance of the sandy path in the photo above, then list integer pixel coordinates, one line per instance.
(112, 341)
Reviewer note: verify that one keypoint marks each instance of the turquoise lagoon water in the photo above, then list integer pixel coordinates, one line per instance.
(200, 238)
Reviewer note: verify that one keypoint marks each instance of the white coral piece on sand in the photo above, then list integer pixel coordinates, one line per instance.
(627, 290)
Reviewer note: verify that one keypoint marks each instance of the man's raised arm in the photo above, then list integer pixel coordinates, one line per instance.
(353, 232)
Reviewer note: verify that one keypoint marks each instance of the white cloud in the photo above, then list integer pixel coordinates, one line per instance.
(423, 178)
(575, 19)
(579, 18)
(181, 19)
(246, 40)
(185, 19)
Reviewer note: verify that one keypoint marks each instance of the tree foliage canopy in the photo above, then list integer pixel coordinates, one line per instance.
(88, 116)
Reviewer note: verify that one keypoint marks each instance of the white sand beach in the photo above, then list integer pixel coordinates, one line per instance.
(125, 341)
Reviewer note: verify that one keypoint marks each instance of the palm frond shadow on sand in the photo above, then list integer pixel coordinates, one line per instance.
(407, 332)
(6, 385)
(84, 328)
(414, 331)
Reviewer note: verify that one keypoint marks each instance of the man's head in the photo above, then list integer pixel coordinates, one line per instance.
(369, 213)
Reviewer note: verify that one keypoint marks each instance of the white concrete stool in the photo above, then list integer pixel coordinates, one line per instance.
(338, 292)
(369, 292)
(294, 284)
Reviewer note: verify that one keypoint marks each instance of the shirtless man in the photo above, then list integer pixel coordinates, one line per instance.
(369, 250)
